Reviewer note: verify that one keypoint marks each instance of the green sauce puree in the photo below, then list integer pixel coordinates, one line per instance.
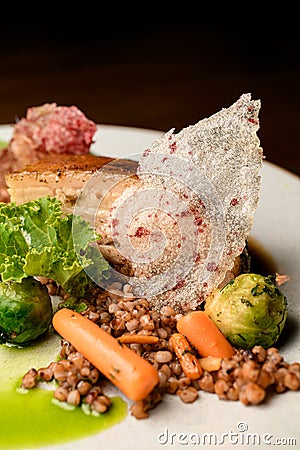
(30, 419)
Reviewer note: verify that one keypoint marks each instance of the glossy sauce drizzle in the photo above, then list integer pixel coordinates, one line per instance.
(262, 262)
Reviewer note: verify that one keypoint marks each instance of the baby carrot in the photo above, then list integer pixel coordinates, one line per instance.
(204, 335)
(189, 363)
(132, 374)
(127, 338)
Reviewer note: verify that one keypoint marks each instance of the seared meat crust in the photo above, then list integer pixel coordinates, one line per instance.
(63, 177)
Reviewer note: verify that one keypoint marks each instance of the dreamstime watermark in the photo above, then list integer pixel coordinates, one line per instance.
(180, 196)
(240, 437)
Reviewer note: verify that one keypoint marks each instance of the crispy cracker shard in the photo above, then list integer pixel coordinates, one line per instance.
(194, 205)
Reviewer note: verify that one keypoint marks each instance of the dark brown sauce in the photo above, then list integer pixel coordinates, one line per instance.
(262, 262)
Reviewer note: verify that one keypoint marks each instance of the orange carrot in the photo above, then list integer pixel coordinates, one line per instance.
(132, 374)
(204, 335)
(189, 363)
(128, 338)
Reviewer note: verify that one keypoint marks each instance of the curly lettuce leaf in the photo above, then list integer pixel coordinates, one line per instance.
(36, 239)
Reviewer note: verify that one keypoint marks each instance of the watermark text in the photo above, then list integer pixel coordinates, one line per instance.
(239, 437)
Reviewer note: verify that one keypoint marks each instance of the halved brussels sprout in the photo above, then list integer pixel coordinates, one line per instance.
(249, 310)
(25, 311)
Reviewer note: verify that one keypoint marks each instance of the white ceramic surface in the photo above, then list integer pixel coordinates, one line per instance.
(174, 425)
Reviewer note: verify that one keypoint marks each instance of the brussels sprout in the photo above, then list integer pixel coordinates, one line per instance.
(249, 310)
(25, 310)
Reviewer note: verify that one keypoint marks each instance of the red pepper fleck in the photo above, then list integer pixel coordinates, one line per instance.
(234, 202)
(172, 147)
(197, 258)
(141, 232)
(198, 221)
(212, 266)
(253, 120)
(114, 222)
(180, 284)
(185, 213)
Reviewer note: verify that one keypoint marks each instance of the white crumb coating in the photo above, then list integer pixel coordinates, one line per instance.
(207, 179)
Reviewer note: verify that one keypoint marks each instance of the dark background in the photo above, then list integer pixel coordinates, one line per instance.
(158, 67)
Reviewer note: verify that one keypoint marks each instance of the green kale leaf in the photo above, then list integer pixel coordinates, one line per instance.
(36, 239)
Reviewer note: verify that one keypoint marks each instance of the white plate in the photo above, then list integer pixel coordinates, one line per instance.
(174, 425)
